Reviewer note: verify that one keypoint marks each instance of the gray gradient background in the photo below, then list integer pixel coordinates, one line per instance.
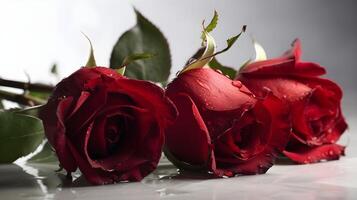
(36, 33)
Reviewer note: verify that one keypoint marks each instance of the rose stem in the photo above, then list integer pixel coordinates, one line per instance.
(21, 99)
(26, 86)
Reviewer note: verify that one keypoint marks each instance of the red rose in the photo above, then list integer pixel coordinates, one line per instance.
(221, 127)
(110, 127)
(315, 103)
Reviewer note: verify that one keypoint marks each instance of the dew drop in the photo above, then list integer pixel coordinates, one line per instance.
(331, 153)
(237, 84)
(62, 97)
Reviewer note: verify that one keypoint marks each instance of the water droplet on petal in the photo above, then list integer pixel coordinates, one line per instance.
(237, 84)
(62, 97)
(331, 153)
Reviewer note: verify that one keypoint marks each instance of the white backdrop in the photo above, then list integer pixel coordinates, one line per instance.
(35, 34)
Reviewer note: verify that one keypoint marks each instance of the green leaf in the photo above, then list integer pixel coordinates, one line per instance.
(40, 95)
(231, 41)
(143, 37)
(228, 71)
(91, 60)
(212, 25)
(46, 155)
(131, 58)
(206, 56)
(209, 52)
(31, 111)
(1, 104)
(19, 135)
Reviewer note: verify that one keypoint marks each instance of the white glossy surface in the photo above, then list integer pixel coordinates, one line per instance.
(330, 180)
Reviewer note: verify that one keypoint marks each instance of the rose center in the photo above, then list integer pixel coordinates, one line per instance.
(114, 132)
(250, 137)
(319, 114)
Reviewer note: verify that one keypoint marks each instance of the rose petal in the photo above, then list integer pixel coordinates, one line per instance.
(188, 130)
(150, 96)
(280, 120)
(56, 132)
(284, 88)
(92, 175)
(331, 89)
(305, 154)
(274, 114)
(211, 90)
(288, 64)
(87, 110)
(80, 101)
(122, 159)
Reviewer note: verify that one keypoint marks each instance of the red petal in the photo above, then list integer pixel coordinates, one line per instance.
(150, 96)
(284, 88)
(92, 175)
(211, 90)
(188, 139)
(274, 114)
(88, 109)
(288, 64)
(305, 154)
(134, 139)
(53, 115)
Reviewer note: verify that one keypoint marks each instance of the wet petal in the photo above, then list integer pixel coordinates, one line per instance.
(304, 154)
(188, 139)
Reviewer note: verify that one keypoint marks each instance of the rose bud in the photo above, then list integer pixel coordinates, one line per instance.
(221, 127)
(110, 127)
(315, 103)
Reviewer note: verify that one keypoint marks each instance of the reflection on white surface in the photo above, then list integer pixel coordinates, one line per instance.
(35, 173)
(329, 180)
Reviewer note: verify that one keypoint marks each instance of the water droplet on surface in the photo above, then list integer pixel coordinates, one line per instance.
(237, 84)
